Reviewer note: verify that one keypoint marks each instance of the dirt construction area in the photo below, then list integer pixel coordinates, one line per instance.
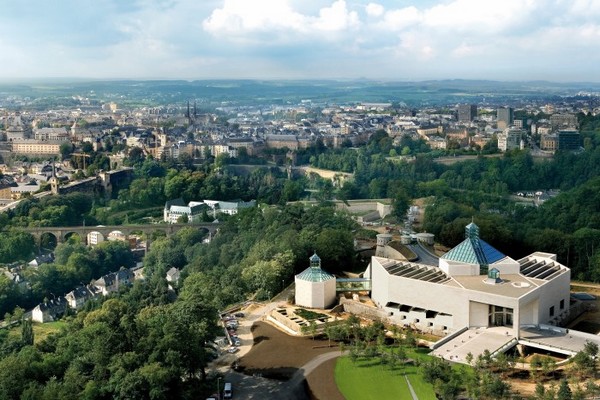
(277, 356)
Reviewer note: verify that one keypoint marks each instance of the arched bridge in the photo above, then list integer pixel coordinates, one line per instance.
(61, 232)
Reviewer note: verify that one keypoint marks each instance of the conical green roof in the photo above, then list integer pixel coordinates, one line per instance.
(312, 274)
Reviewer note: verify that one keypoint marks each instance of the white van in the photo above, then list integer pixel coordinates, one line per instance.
(227, 391)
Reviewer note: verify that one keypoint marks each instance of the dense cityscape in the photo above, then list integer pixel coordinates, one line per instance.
(166, 204)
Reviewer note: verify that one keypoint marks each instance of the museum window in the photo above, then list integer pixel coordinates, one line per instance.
(417, 320)
(552, 311)
(430, 324)
(562, 304)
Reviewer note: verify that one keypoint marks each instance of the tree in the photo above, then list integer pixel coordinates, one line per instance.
(400, 205)
(27, 332)
(564, 391)
(65, 150)
(135, 155)
(540, 391)
(469, 358)
(534, 364)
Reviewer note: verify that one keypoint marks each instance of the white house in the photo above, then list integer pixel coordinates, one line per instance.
(50, 310)
(174, 209)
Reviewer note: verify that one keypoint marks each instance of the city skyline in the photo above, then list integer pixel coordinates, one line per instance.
(506, 40)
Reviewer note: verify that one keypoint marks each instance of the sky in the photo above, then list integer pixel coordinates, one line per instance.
(396, 40)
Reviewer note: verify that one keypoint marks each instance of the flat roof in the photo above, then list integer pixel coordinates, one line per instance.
(511, 285)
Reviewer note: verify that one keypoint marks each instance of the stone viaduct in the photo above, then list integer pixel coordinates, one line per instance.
(61, 233)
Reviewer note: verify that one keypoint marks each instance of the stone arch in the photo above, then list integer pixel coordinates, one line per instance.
(47, 240)
(117, 234)
(94, 238)
(71, 234)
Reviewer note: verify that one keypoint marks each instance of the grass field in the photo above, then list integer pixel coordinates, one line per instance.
(40, 331)
(369, 380)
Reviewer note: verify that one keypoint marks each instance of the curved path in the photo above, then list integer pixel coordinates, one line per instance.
(310, 366)
(257, 387)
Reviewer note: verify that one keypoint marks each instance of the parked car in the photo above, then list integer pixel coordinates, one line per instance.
(239, 314)
(236, 342)
(232, 350)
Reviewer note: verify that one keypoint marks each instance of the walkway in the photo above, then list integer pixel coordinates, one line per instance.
(412, 391)
(313, 364)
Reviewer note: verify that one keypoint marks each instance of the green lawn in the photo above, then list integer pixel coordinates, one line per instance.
(367, 379)
(40, 331)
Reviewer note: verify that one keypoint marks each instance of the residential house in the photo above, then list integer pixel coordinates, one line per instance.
(110, 283)
(173, 275)
(41, 259)
(78, 296)
(50, 310)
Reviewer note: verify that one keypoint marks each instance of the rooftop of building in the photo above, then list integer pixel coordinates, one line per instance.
(312, 274)
(474, 250)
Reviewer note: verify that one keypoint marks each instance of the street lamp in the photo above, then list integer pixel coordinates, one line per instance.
(218, 388)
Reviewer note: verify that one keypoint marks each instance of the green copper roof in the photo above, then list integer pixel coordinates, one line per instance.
(312, 274)
(473, 250)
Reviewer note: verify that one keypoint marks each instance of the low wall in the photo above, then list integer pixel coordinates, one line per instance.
(363, 310)
(286, 321)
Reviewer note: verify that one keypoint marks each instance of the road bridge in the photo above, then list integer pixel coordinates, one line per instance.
(61, 233)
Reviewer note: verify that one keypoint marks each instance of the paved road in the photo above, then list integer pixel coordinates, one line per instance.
(425, 257)
(11, 206)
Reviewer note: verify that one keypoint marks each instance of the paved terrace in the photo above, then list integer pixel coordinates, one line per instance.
(474, 341)
(544, 337)
(559, 340)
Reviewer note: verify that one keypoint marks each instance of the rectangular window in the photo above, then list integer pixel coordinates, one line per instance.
(552, 311)
(562, 304)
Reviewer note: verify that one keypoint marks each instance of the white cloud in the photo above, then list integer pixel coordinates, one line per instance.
(489, 16)
(239, 17)
(336, 18)
(374, 9)
(397, 20)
